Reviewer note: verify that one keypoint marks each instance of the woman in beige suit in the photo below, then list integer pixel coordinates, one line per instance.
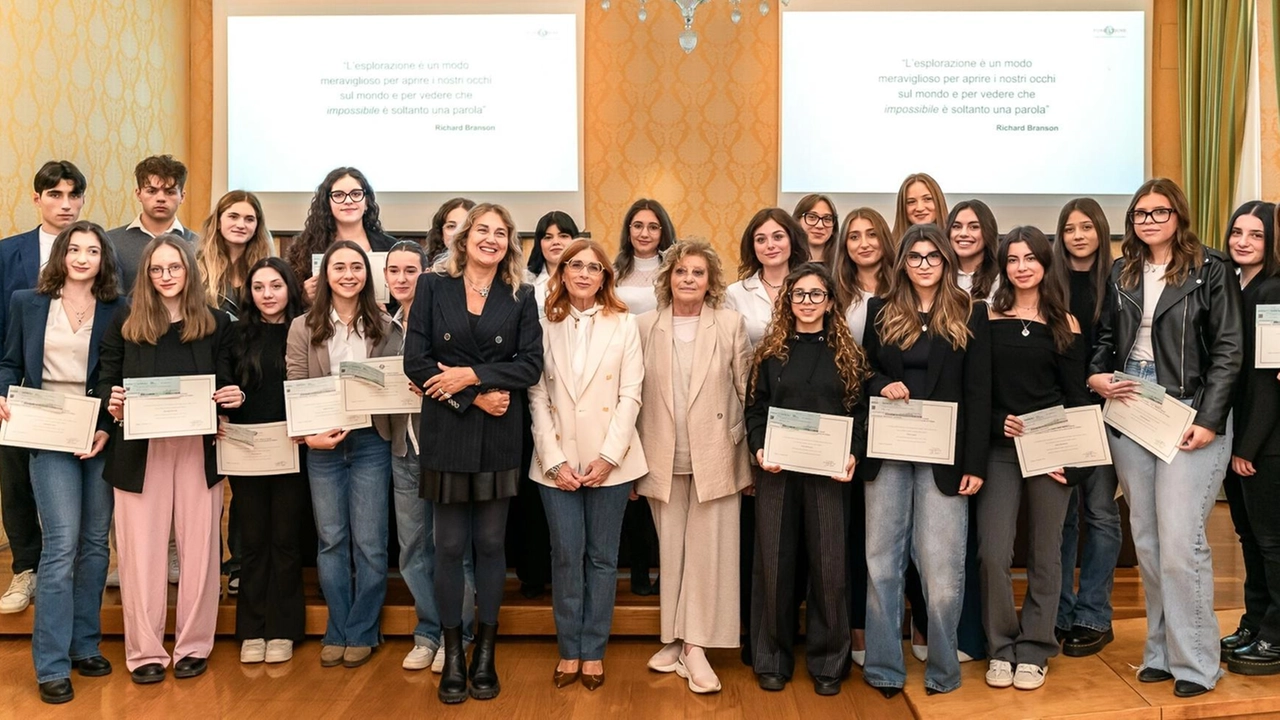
(586, 451)
(697, 357)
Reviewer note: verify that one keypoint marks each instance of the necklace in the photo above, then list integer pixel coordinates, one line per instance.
(346, 320)
(481, 291)
(81, 313)
(1026, 324)
(769, 284)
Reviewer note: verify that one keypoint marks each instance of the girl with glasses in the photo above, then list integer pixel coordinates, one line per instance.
(817, 215)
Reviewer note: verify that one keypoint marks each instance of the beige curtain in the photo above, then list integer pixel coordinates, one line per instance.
(1214, 45)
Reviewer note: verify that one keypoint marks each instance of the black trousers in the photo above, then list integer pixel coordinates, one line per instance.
(1255, 511)
(639, 547)
(18, 509)
(528, 536)
(274, 515)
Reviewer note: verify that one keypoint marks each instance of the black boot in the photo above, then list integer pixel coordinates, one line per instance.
(484, 676)
(453, 679)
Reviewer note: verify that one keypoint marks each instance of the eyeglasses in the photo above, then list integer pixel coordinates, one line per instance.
(174, 271)
(811, 219)
(1158, 216)
(341, 196)
(653, 228)
(578, 267)
(933, 259)
(817, 297)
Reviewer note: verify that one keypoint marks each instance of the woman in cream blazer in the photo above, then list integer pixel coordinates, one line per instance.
(586, 451)
(697, 358)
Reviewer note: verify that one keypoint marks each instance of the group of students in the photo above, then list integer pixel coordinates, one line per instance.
(584, 380)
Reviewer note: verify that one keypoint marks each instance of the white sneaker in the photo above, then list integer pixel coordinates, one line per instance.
(664, 661)
(279, 651)
(920, 652)
(113, 578)
(999, 673)
(437, 665)
(173, 567)
(419, 658)
(963, 656)
(21, 593)
(1029, 677)
(253, 651)
(859, 657)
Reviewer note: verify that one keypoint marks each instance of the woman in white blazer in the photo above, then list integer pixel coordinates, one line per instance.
(586, 451)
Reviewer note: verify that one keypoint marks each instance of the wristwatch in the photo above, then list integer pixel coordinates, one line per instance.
(553, 472)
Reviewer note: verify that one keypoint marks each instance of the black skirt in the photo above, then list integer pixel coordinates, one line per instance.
(459, 487)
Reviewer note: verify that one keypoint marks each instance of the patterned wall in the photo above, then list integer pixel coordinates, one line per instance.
(1270, 106)
(102, 84)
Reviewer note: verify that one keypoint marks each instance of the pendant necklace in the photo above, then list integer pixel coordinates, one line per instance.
(481, 291)
(1026, 324)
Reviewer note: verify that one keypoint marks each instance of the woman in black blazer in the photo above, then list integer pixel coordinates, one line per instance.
(169, 481)
(926, 340)
(475, 347)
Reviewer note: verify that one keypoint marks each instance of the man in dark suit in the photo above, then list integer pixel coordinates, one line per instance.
(161, 189)
(59, 195)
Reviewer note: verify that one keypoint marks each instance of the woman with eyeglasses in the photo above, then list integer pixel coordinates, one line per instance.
(1173, 318)
(920, 202)
(807, 361)
(817, 215)
(927, 341)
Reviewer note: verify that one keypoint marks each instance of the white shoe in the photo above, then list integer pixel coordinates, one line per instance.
(173, 567)
(437, 665)
(859, 657)
(419, 658)
(279, 651)
(710, 682)
(253, 651)
(21, 593)
(113, 579)
(963, 656)
(666, 659)
(999, 673)
(920, 652)
(1029, 677)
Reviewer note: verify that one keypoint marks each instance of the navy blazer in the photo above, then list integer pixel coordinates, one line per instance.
(19, 269)
(505, 351)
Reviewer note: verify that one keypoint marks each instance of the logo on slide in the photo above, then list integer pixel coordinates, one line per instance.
(1110, 31)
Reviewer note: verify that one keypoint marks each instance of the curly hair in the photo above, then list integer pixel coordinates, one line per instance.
(716, 285)
(321, 227)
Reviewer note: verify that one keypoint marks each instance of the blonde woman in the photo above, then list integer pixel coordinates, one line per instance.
(920, 202)
(233, 239)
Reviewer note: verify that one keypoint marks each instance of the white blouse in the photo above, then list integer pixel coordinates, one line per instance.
(751, 299)
(637, 289)
(856, 316)
(66, 352)
(346, 343)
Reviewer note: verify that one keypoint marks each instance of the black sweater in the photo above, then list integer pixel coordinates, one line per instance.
(1256, 403)
(1033, 374)
(1084, 300)
(264, 400)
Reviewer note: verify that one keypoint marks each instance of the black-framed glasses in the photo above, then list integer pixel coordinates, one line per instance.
(812, 219)
(1158, 216)
(593, 269)
(933, 259)
(175, 270)
(817, 297)
(341, 196)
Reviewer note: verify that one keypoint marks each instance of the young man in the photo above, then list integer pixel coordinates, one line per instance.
(58, 196)
(161, 190)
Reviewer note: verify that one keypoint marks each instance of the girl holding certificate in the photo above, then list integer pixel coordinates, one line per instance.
(1172, 318)
(807, 361)
(817, 215)
(920, 202)
(171, 481)
(1039, 355)
(349, 470)
(52, 345)
(927, 341)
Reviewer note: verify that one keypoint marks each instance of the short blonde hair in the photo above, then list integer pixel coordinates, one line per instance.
(691, 248)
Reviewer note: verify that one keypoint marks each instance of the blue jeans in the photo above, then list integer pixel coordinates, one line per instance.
(349, 488)
(1169, 505)
(1091, 606)
(907, 513)
(415, 530)
(586, 529)
(74, 504)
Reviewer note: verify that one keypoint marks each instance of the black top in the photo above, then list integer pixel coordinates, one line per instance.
(179, 357)
(915, 362)
(1084, 300)
(1033, 374)
(1256, 403)
(263, 401)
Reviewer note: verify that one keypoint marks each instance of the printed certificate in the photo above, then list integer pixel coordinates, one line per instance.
(257, 449)
(44, 420)
(377, 274)
(1266, 352)
(922, 431)
(315, 406)
(1158, 427)
(378, 386)
(174, 406)
(1079, 440)
(807, 442)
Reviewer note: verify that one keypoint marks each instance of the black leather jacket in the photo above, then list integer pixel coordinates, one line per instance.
(1196, 336)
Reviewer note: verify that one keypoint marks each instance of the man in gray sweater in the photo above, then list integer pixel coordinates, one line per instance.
(161, 182)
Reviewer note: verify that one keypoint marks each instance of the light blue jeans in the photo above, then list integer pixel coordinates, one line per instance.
(907, 513)
(1168, 507)
(349, 489)
(1091, 606)
(74, 504)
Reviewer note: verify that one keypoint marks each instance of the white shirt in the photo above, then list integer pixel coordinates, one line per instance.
(345, 344)
(46, 246)
(751, 299)
(965, 281)
(1152, 286)
(175, 227)
(540, 292)
(856, 316)
(637, 289)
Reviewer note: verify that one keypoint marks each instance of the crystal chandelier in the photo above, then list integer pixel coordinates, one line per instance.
(689, 38)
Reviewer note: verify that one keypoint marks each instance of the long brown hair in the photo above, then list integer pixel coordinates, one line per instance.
(368, 313)
(716, 286)
(1053, 298)
(625, 261)
(749, 264)
(557, 304)
(321, 227)
(1185, 256)
(213, 258)
(899, 319)
(902, 221)
(851, 361)
(985, 276)
(148, 321)
(1100, 272)
(845, 270)
(511, 270)
(807, 203)
(106, 285)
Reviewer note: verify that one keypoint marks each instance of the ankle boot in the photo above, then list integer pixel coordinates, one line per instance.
(484, 676)
(453, 679)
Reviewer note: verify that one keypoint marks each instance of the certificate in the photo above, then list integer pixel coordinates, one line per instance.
(257, 449)
(377, 273)
(361, 392)
(44, 420)
(175, 406)
(922, 431)
(1080, 440)
(808, 442)
(315, 406)
(1158, 427)
(1266, 352)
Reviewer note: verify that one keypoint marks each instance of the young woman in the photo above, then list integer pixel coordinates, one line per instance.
(233, 239)
(586, 458)
(474, 346)
(807, 361)
(349, 470)
(920, 202)
(1039, 355)
(927, 341)
(1254, 474)
(554, 232)
(166, 482)
(343, 208)
(1173, 317)
(646, 232)
(975, 239)
(773, 244)
(52, 345)
(817, 215)
(1082, 261)
(273, 511)
(444, 225)
(862, 270)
